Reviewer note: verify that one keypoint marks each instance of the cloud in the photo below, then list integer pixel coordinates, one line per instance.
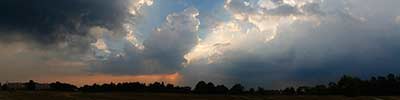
(49, 21)
(313, 42)
(249, 26)
(21, 61)
(57, 39)
(161, 53)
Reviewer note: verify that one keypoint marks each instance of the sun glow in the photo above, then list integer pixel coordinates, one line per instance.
(99, 79)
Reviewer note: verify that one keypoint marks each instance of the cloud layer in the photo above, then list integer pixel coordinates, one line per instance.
(271, 43)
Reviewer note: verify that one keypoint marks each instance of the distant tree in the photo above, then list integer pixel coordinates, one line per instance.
(260, 90)
(31, 85)
(353, 86)
(391, 85)
(170, 88)
(303, 90)
(236, 89)
(289, 91)
(157, 87)
(135, 87)
(321, 90)
(201, 87)
(58, 86)
(252, 91)
(182, 89)
(4, 87)
(211, 88)
(350, 86)
(221, 89)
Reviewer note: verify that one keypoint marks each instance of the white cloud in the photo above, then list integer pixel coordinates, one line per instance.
(132, 38)
(250, 25)
(110, 43)
(136, 5)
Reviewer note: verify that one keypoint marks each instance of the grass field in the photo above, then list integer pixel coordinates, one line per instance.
(24, 95)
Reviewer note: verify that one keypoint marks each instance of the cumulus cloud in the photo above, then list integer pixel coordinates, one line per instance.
(161, 53)
(250, 25)
(303, 42)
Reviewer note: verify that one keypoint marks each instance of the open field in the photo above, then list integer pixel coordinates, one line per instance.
(23, 95)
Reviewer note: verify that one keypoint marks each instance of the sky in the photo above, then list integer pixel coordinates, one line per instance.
(267, 43)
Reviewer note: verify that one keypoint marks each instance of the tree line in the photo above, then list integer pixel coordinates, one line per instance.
(346, 85)
(32, 85)
(352, 86)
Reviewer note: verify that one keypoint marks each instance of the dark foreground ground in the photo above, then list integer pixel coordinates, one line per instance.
(24, 95)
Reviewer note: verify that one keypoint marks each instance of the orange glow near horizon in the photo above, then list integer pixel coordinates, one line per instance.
(100, 79)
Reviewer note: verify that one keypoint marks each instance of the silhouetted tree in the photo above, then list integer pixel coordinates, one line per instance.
(135, 87)
(289, 91)
(236, 89)
(260, 90)
(4, 87)
(353, 86)
(211, 88)
(58, 86)
(31, 85)
(157, 87)
(169, 88)
(321, 90)
(350, 85)
(201, 87)
(252, 91)
(221, 89)
(303, 90)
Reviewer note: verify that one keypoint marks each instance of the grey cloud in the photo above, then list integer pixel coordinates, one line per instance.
(305, 53)
(239, 6)
(309, 8)
(283, 10)
(24, 60)
(48, 21)
(274, 7)
(51, 36)
(163, 50)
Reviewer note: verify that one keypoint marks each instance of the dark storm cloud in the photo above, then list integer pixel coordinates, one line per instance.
(356, 51)
(317, 57)
(48, 20)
